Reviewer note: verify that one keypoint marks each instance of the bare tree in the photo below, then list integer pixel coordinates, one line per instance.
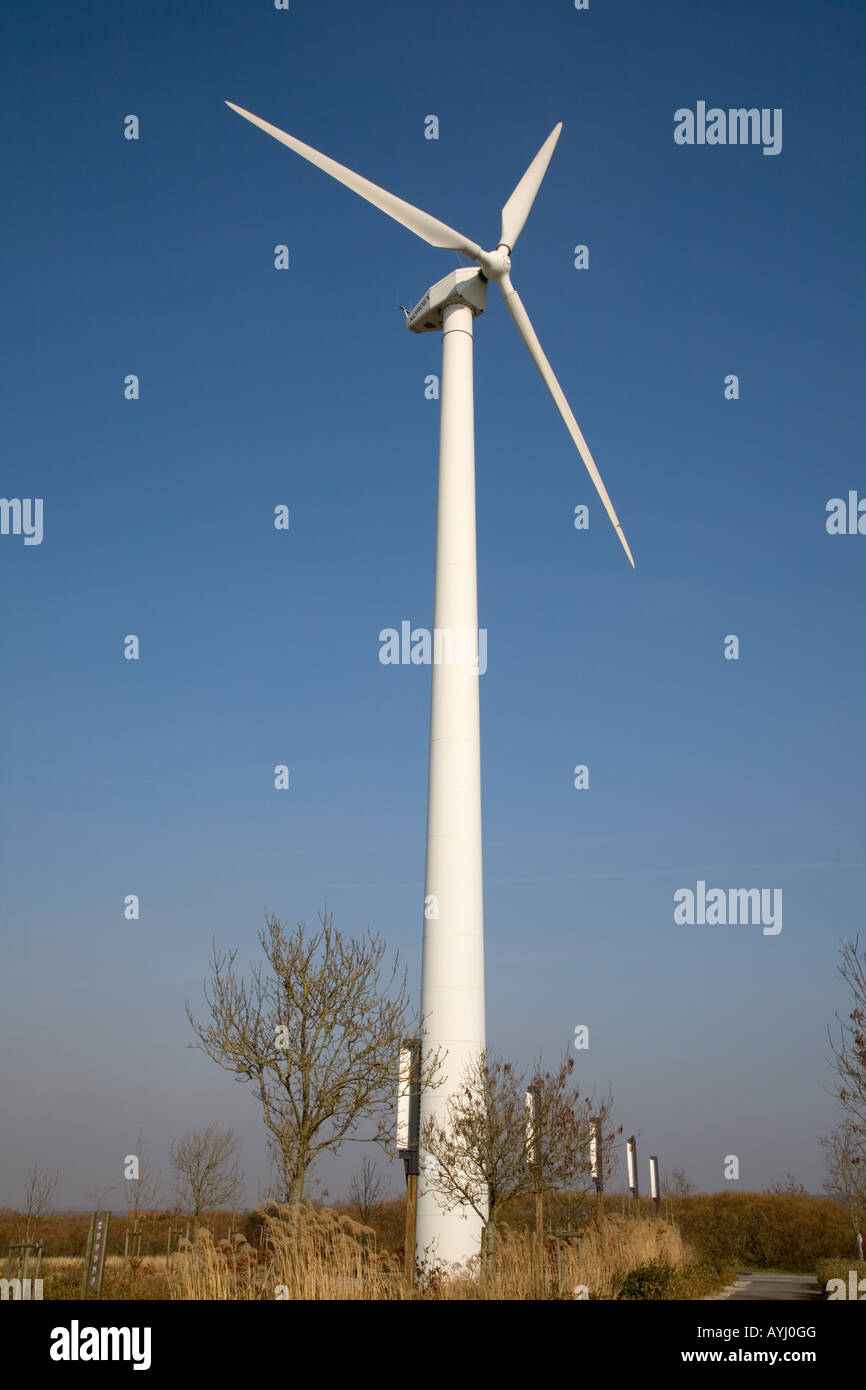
(849, 1049)
(676, 1184)
(317, 1032)
(788, 1187)
(206, 1169)
(38, 1196)
(98, 1196)
(143, 1188)
(367, 1191)
(845, 1163)
(486, 1154)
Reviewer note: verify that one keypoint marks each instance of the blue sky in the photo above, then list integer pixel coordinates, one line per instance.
(258, 647)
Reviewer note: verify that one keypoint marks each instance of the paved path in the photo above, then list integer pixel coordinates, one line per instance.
(777, 1287)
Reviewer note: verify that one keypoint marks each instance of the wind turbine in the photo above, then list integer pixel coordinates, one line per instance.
(452, 980)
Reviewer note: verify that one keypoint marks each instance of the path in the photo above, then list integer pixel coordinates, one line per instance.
(778, 1287)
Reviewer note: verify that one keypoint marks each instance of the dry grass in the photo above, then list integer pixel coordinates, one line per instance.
(622, 1245)
(150, 1263)
(322, 1254)
(309, 1253)
(598, 1261)
(143, 1278)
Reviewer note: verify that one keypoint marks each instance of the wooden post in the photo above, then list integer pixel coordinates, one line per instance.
(87, 1251)
(534, 1154)
(596, 1161)
(94, 1262)
(539, 1237)
(411, 1214)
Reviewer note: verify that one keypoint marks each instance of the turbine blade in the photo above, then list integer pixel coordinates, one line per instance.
(430, 229)
(517, 209)
(536, 352)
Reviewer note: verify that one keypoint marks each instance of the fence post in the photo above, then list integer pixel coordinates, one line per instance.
(94, 1261)
(87, 1249)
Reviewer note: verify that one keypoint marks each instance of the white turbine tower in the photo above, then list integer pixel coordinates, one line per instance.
(452, 984)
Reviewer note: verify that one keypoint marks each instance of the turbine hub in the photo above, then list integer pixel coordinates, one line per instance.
(496, 264)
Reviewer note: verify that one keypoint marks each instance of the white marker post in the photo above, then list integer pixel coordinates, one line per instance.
(654, 1179)
(596, 1163)
(533, 1149)
(631, 1156)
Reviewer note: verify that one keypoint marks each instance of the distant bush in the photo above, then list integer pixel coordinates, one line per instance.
(60, 1233)
(65, 1233)
(764, 1229)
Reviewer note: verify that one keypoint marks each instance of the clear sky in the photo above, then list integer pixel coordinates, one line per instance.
(302, 387)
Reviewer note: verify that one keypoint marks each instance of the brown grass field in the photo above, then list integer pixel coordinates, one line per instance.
(688, 1250)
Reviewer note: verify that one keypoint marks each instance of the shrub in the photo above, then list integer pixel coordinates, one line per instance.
(701, 1278)
(652, 1280)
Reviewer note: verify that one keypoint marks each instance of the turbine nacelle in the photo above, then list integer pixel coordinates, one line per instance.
(467, 287)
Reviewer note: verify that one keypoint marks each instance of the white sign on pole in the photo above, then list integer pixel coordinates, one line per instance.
(408, 1097)
(654, 1178)
(532, 1138)
(632, 1164)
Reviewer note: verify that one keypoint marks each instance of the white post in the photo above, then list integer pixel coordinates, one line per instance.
(452, 980)
(655, 1191)
(631, 1159)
